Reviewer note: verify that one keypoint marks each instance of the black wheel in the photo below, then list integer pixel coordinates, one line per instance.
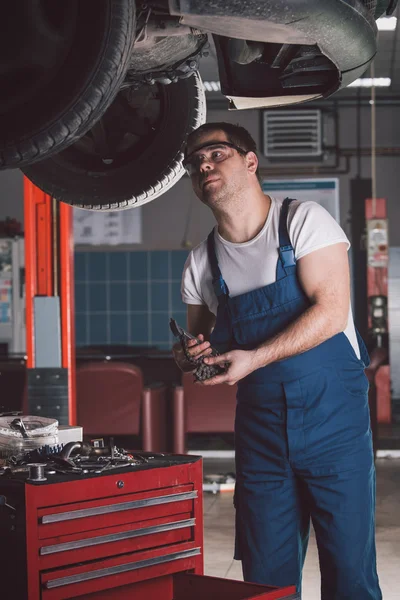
(62, 63)
(133, 154)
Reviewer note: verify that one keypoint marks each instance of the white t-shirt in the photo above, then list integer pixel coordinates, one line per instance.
(252, 265)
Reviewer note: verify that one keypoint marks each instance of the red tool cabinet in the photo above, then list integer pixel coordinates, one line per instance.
(133, 533)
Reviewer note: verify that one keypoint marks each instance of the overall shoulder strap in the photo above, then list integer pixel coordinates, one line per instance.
(287, 258)
(219, 285)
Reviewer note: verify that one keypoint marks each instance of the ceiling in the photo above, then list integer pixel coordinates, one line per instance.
(386, 64)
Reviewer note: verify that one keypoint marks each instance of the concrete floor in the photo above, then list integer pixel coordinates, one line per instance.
(219, 533)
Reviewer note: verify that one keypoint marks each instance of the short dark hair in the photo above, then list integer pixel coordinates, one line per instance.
(236, 134)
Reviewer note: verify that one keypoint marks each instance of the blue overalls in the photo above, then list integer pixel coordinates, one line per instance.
(303, 443)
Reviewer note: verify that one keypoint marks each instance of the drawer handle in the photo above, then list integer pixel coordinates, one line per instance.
(132, 566)
(116, 537)
(112, 508)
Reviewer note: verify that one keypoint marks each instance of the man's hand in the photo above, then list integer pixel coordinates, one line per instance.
(241, 363)
(196, 348)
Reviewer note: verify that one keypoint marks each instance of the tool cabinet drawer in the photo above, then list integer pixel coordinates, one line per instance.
(114, 541)
(101, 513)
(188, 586)
(96, 576)
(201, 587)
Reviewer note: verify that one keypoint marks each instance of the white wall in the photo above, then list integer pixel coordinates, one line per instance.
(164, 219)
(387, 168)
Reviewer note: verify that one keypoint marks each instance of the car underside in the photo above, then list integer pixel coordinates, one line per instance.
(99, 96)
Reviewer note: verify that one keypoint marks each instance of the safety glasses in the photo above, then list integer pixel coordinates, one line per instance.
(215, 152)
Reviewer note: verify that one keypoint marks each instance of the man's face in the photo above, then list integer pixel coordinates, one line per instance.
(215, 168)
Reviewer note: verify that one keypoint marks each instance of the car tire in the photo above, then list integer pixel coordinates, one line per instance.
(62, 96)
(145, 169)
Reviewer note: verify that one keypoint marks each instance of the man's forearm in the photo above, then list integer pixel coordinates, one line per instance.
(314, 326)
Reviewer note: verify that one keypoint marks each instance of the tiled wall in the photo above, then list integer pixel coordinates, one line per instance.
(128, 297)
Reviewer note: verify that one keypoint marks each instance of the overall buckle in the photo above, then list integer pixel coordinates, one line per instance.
(287, 256)
(219, 286)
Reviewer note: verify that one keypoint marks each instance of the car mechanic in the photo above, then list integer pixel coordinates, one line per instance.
(270, 290)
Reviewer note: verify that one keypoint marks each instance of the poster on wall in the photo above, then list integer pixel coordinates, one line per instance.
(98, 228)
(323, 191)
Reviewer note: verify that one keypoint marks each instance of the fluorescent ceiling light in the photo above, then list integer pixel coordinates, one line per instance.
(368, 82)
(212, 86)
(387, 23)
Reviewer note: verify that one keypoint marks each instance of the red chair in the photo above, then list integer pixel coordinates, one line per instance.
(200, 409)
(112, 400)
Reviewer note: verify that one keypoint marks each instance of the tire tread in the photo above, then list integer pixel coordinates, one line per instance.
(97, 96)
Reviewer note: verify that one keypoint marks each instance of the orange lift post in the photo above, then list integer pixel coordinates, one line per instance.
(50, 326)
